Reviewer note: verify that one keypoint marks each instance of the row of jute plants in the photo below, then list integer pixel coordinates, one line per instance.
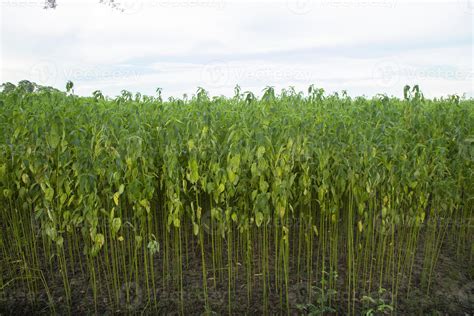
(290, 186)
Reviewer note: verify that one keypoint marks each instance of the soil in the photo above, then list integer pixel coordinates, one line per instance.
(452, 294)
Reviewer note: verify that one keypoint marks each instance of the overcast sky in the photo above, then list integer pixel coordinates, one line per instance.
(362, 46)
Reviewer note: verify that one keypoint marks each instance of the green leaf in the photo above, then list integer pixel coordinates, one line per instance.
(51, 232)
(121, 189)
(281, 211)
(221, 188)
(145, 204)
(116, 198)
(191, 144)
(99, 240)
(153, 247)
(59, 241)
(62, 198)
(3, 170)
(263, 185)
(25, 178)
(231, 175)
(258, 218)
(195, 229)
(235, 162)
(116, 224)
(260, 152)
(49, 194)
(53, 138)
(176, 222)
(194, 172)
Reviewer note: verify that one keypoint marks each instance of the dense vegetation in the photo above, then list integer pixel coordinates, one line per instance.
(336, 194)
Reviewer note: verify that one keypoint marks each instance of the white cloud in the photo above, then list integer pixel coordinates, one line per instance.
(363, 46)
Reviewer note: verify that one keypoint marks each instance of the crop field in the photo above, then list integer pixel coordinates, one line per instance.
(292, 203)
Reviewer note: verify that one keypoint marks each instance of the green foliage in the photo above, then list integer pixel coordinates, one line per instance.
(69, 86)
(293, 182)
(376, 305)
(324, 298)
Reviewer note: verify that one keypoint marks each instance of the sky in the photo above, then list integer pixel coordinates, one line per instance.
(362, 46)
